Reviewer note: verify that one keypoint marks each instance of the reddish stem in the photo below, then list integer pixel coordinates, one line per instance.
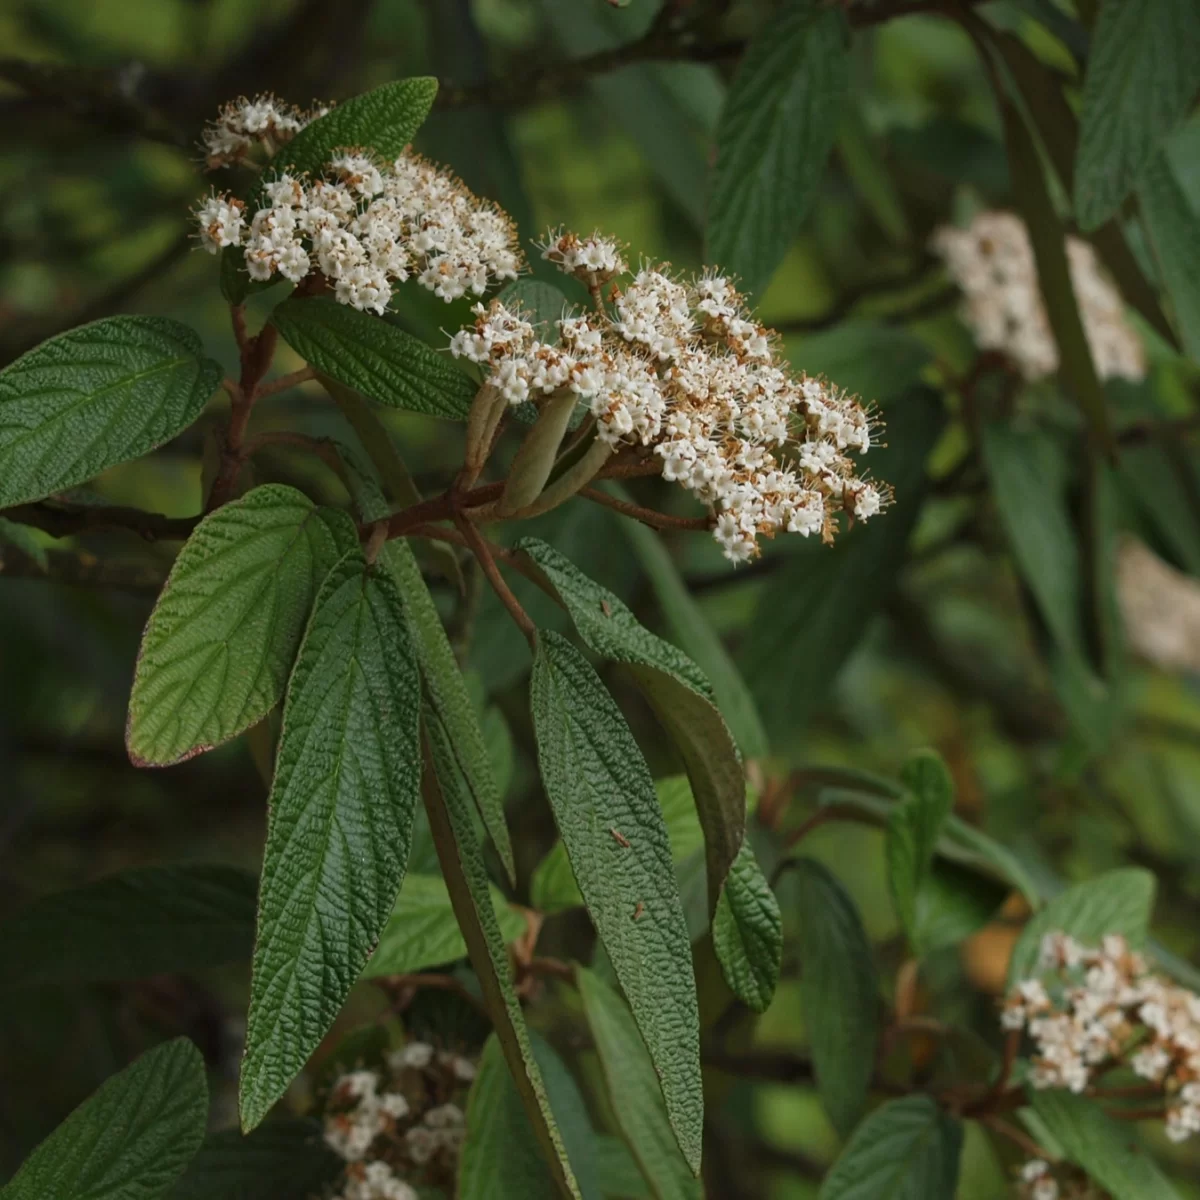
(647, 516)
(491, 572)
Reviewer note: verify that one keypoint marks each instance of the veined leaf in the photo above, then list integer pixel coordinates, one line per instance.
(138, 922)
(1118, 901)
(1143, 73)
(373, 357)
(677, 691)
(905, 1150)
(221, 639)
(836, 961)
(1174, 230)
(130, 1140)
(634, 1091)
(422, 931)
(340, 822)
(447, 804)
(607, 813)
(96, 396)
(747, 933)
(778, 126)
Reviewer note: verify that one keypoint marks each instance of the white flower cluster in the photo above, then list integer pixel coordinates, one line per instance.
(992, 262)
(366, 228)
(391, 1124)
(242, 125)
(1160, 608)
(1037, 1181)
(1088, 1007)
(682, 368)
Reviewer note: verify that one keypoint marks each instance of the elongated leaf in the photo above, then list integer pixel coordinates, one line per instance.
(374, 357)
(447, 804)
(1143, 72)
(221, 639)
(1174, 230)
(905, 1150)
(26, 539)
(778, 126)
(679, 694)
(1106, 1149)
(605, 807)
(137, 922)
(617, 1172)
(281, 1160)
(836, 961)
(422, 931)
(447, 692)
(340, 823)
(747, 933)
(1118, 901)
(634, 1090)
(128, 1141)
(96, 396)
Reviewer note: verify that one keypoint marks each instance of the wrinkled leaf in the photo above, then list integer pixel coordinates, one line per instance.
(747, 933)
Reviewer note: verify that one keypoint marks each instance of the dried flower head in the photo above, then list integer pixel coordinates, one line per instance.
(683, 368)
(265, 122)
(1160, 608)
(992, 262)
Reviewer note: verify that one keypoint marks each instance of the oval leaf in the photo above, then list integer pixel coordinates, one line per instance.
(221, 639)
(340, 823)
(96, 396)
(130, 1140)
(747, 933)
(607, 813)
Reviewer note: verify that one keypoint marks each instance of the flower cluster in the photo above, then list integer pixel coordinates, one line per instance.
(682, 368)
(1160, 608)
(992, 262)
(242, 125)
(1038, 1180)
(398, 1124)
(1092, 1009)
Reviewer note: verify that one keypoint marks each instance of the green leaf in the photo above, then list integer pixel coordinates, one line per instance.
(447, 691)
(633, 1089)
(137, 922)
(1143, 72)
(373, 357)
(130, 1140)
(606, 810)
(221, 639)
(422, 931)
(778, 126)
(747, 933)
(617, 1172)
(340, 822)
(383, 121)
(96, 396)
(913, 829)
(447, 804)
(905, 1150)
(1174, 230)
(542, 304)
(954, 902)
(873, 360)
(281, 1160)
(1118, 901)
(677, 691)
(836, 961)
(1106, 1149)
(25, 539)
(814, 609)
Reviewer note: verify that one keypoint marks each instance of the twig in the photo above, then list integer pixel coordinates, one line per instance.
(66, 520)
(491, 572)
(988, 1101)
(303, 375)
(1017, 1136)
(647, 516)
(404, 985)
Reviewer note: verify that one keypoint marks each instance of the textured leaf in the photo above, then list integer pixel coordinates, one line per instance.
(634, 1091)
(1118, 901)
(447, 692)
(778, 126)
(130, 1140)
(96, 396)
(905, 1150)
(677, 691)
(607, 813)
(340, 823)
(221, 639)
(747, 933)
(138, 922)
(447, 804)
(373, 357)
(1143, 72)
(836, 961)
(282, 1159)
(1174, 229)
(1106, 1149)
(422, 931)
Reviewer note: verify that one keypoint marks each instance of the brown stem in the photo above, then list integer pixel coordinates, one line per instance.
(403, 987)
(491, 572)
(65, 520)
(1153, 1113)
(1017, 1136)
(286, 381)
(834, 812)
(992, 1097)
(647, 516)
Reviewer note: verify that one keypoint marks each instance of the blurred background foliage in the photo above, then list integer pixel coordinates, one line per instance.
(924, 629)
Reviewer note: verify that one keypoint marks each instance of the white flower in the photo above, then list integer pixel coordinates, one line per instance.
(221, 223)
(413, 1055)
(243, 123)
